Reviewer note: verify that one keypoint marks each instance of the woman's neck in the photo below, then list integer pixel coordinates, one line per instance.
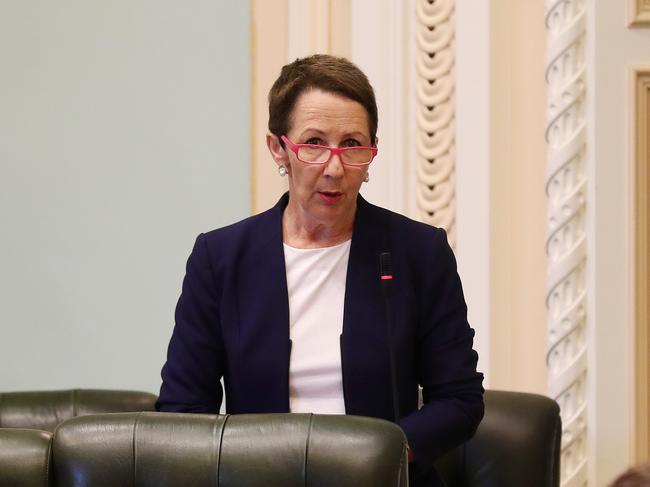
(302, 232)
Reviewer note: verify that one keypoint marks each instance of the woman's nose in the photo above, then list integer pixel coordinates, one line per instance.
(334, 167)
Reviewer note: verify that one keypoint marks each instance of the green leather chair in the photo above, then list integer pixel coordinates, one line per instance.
(24, 458)
(171, 449)
(28, 418)
(516, 444)
(44, 410)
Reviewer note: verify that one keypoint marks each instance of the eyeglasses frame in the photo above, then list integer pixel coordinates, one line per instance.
(333, 151)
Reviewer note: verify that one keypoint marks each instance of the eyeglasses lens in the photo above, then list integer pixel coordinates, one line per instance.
(320, 154)
(313, 154)
(357, 156)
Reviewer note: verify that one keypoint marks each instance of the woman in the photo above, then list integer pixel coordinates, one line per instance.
(287, 305)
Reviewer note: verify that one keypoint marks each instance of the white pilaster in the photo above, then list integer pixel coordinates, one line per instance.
(566, 245)
(472, 44)
(382, 48)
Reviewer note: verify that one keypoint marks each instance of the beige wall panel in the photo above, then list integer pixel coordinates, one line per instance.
(518, 204)
(340, 28)
(640, 265)
(269, 53)
(617, 48)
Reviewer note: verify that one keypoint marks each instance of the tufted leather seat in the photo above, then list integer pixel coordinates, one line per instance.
(171, 449)
(517, 443)
(44, 410)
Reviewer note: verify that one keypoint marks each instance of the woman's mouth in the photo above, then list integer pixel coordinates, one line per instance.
(330, 196)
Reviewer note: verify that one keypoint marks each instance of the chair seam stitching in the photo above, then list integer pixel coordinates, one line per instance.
(74, 403)
(402, 465)
(215, 446)
(48, 458)
(135, 456)
(311, 420)
(223, 429)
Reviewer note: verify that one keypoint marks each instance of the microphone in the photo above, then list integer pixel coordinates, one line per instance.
(386, 266)
(386, 276)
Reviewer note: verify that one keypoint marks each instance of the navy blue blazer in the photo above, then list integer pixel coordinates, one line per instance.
(232, 321)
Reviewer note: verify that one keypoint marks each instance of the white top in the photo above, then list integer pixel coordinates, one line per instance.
(316, 285)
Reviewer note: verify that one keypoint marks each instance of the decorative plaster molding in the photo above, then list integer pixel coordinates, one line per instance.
(435, 115)
(566, 248)
(640, 265)
(638, 13)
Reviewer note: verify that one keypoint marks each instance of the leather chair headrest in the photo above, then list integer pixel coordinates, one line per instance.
(24, 457)
(44, 410)
(165, 449)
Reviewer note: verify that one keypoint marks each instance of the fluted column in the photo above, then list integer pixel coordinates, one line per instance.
(566, 239)
(435, 141)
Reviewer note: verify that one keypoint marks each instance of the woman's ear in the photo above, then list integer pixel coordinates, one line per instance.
(278, 153)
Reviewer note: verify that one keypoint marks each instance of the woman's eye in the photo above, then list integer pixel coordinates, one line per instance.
(351, 143)
(314, 141)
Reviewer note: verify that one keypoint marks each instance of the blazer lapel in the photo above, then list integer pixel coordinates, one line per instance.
(264, 344)
(364, 353)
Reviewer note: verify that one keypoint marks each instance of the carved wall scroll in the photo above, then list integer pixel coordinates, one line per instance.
(566, 244)
(435, 140)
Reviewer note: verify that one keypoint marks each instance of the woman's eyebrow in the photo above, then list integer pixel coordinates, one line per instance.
(310, 130)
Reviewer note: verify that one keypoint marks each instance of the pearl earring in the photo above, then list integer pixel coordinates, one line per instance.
(282, 170)
(366, 178)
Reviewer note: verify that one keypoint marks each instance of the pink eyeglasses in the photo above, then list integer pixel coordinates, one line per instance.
(321, 154)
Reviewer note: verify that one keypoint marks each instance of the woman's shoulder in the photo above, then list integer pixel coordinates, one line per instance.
(267, 223)
(252, 224)
(253, 236)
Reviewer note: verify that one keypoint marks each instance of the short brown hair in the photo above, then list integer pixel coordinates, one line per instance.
(328, 73)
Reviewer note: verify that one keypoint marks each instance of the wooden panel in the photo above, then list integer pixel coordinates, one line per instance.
(641, 263)
(638, 13)
(269, 54)
(518, 316)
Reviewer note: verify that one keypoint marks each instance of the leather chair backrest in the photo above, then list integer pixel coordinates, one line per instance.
(24, 457)
(517, 443)
(44, 410)
(170, 449)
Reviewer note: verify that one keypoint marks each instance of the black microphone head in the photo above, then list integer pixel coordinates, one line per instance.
(385, 265)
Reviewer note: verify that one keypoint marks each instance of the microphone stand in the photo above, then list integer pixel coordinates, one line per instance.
(386, 274)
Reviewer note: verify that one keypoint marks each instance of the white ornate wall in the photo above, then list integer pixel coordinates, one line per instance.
(566, 244)
(495, 132)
